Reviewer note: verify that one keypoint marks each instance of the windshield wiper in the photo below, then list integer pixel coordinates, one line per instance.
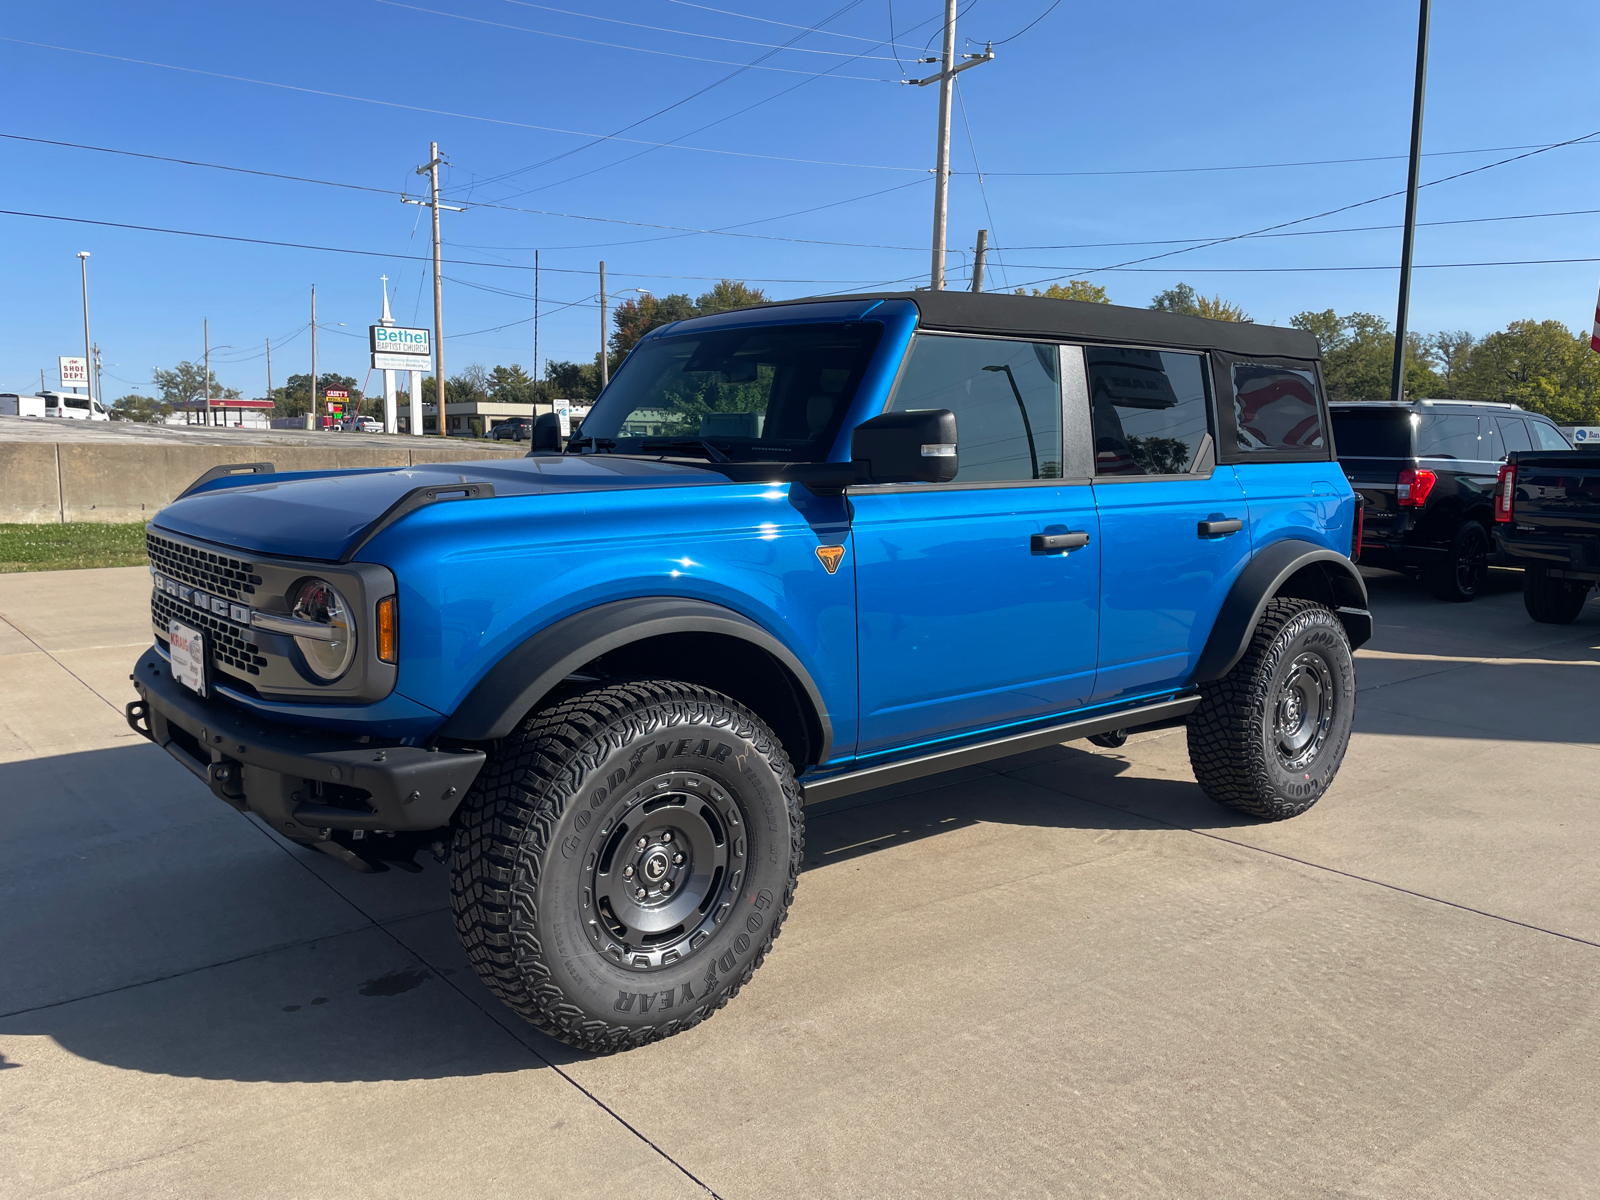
(710, 451)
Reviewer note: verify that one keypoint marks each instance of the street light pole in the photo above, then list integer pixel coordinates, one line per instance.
(88, 351)
(605, 367)
(1398, 381)
(314, 354)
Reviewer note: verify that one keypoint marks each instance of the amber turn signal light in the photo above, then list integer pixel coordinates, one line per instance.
(389, 630)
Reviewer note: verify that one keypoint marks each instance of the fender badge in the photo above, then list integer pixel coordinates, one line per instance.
(830, 557)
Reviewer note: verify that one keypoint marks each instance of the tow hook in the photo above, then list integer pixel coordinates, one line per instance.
(138, 715)
(225, 781)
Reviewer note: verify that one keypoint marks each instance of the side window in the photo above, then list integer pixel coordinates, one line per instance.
(1513, 436)
(1275, 408)
(1447, 435)
(1006, 397)
(1149, 410)
(1549, 436)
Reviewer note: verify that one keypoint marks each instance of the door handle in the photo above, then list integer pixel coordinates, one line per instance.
(1045, 543)
(1220, 528)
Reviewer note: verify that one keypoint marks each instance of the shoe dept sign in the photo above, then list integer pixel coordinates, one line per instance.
(395, 348)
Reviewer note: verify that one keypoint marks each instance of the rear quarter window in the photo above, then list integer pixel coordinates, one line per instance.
(1448, 435)
(1372, 433)
(1275, 408)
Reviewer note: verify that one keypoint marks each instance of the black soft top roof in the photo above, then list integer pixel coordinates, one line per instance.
(1037, 316)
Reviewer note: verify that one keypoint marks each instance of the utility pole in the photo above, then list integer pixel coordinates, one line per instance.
(941, 172)
(98, 389)
(431, 170)
(269, 368)
(206, 326)
(88, 350)
(315, 424)
(1398, 382)
(605, 367)
(978, 260)
(538, 371)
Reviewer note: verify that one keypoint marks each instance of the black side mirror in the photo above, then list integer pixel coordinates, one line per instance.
(907, 447)
(547, 434)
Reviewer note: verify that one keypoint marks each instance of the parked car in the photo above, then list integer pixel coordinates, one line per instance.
(517, 429)
(1425, 471)
(359, 425)
(601, 681)
(1547, 521)
(74, 406)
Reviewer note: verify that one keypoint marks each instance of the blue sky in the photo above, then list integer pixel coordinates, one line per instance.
(1148, 87)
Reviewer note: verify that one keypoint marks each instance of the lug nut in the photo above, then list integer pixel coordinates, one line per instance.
(667, 836)
(627, 872)
(641, 843)
(639, 894)
(677, 859)
(666, 886)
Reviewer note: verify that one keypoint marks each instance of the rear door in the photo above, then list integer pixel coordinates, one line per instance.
(1173, 523)
(965, 626)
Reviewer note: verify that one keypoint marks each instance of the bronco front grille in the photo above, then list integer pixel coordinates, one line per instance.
(230, 644)
(216, 573)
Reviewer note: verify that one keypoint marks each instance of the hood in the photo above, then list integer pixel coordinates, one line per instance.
(319, 514)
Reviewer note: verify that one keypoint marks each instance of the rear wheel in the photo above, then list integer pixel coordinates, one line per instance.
(625, 861)
(1462, 574)
(1269, 735)
(1552, 601)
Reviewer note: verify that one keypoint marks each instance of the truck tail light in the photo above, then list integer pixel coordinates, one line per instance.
(1505, 492)
(1413, 487)
(1360, 526)
(389, 630)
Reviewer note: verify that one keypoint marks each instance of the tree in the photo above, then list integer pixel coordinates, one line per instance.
(1540, 365)
(146, 409)
(571, 380)
(1450, 352)
(635, 318)
(726, 295)
(293, 399)
(1184, 299)
(186, 382)
(1073, 289)
(1358, 356)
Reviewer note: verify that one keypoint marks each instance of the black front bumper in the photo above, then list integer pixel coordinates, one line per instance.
(303, 783)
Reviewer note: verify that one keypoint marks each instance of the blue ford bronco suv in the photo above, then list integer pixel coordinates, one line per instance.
(793, 552)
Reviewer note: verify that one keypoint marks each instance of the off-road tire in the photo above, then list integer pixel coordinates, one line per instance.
(1552, 601)
(1236, 745)
(1465, 569)
(574, 783)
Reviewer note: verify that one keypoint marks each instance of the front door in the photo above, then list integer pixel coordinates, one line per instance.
(967, 624)
(1173, 525)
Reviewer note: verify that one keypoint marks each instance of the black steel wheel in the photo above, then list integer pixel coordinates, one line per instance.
(1270, 735)
(625, 860)
(1460, 577)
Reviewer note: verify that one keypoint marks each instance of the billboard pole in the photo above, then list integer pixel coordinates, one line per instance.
(88, 352)
(1398, 380)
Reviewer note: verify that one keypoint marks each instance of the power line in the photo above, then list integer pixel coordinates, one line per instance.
(567, 12)
(721, 62)
(790, 25)
(228, 237)
(1317, 162)
(982, 191)
(439, 112)
(1028, 26)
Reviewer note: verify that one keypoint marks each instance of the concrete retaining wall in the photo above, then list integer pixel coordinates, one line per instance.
(50, 482)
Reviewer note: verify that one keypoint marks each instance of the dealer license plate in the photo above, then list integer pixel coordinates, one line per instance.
(188, 656)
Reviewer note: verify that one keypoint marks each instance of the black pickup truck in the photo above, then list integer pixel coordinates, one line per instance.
(1547, 521)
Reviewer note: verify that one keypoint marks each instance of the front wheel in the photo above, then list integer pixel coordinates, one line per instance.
(1269, 735)
(625, 861)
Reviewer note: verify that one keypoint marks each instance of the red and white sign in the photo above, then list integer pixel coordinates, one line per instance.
(335, 394)
(74, 372)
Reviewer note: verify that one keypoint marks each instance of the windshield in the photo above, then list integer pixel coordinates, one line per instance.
(761, 394)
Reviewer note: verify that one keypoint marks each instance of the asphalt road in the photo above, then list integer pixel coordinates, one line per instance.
(1067, 975)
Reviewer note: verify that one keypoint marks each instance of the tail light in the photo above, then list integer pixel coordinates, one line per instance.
(1358, 529)
(1413, 487)
(1505, 492)
(388, 630)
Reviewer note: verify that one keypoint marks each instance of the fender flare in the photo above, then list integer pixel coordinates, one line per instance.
(530, 671)
(1263, 578)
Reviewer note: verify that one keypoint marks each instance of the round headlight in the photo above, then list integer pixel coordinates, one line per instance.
(328, 654)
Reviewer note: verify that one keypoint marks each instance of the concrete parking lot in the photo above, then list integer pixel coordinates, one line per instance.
(1066, 975)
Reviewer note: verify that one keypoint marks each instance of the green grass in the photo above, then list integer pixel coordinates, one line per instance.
(70, 547)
